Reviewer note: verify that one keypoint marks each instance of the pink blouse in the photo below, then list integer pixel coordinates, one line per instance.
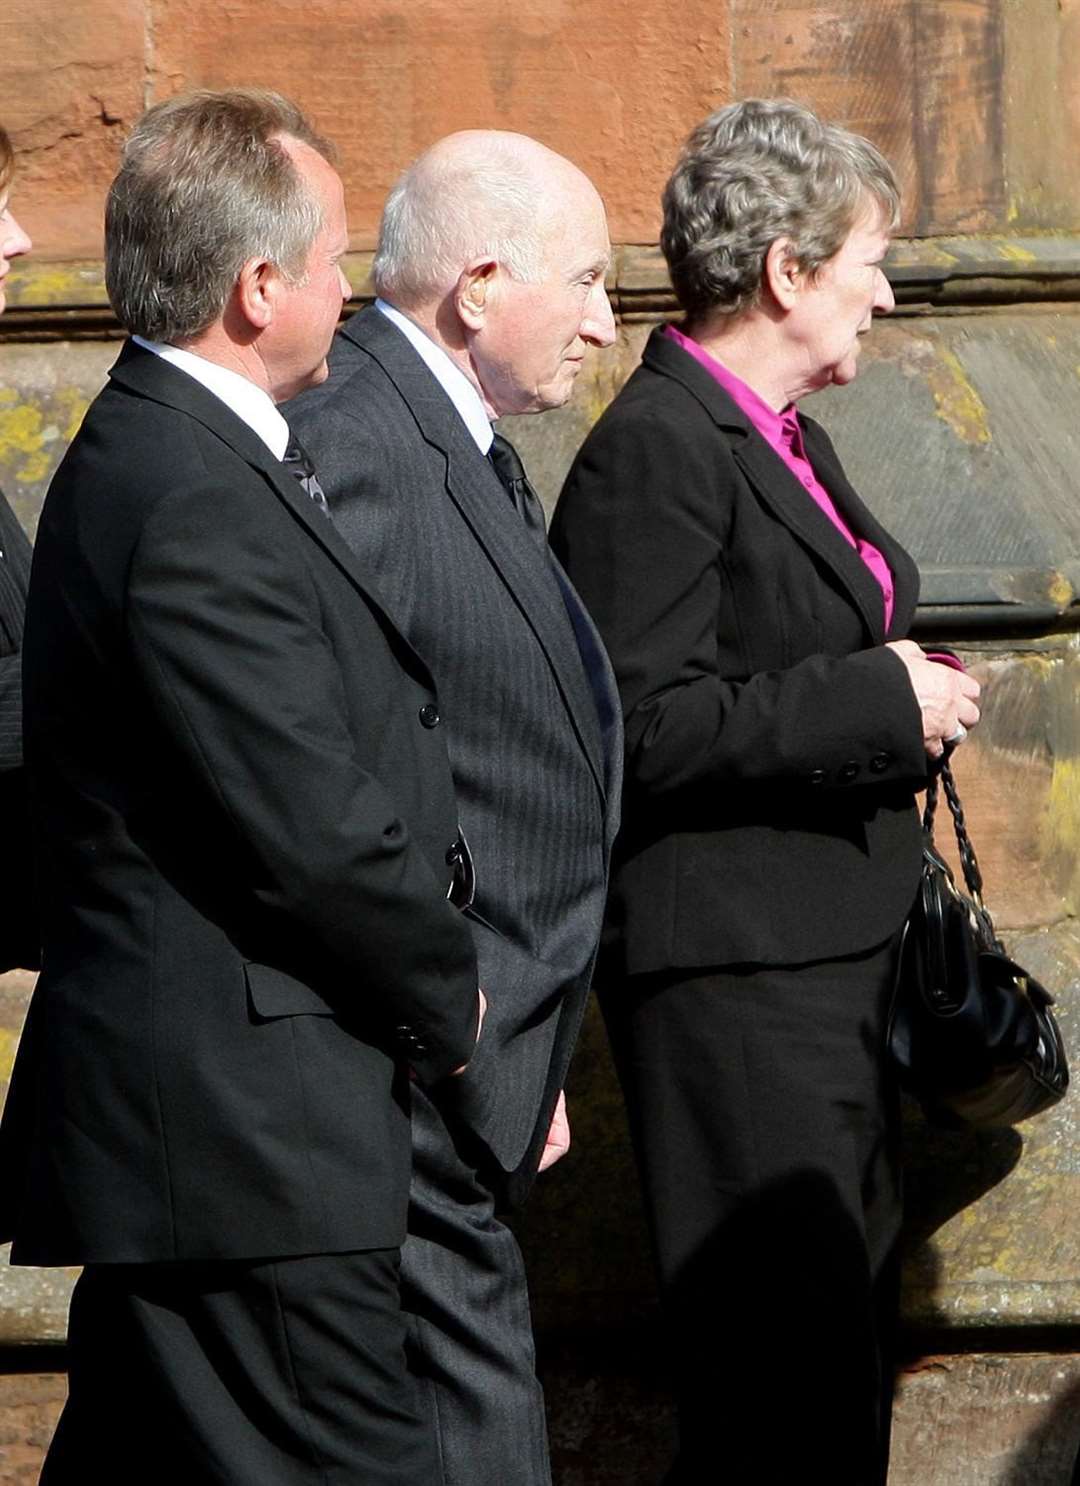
(781, 432)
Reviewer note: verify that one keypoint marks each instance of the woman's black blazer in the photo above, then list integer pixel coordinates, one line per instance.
(773, 744)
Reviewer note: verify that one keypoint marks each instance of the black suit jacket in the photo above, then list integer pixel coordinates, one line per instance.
(773, 744)
(531, 729)
(243, 823)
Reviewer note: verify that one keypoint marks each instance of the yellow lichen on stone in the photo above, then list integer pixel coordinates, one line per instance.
(36, 283)
(1061, 818)
(23, 442)
(1016, 253)
(1060, 591)
(957, 402)
(9, 1042)
(71, 406)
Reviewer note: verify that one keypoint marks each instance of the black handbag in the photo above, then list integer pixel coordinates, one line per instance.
(971, 1033)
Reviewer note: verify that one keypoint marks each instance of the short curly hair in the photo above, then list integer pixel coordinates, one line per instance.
(763, 169)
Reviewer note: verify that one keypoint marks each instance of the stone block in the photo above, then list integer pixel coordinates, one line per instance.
(1041, 112)
(45, 393)
(71, 77)
(611, 84)
(30, 1405)
(987, 1420)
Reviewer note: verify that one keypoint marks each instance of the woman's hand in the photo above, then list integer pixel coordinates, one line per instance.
(946, 697)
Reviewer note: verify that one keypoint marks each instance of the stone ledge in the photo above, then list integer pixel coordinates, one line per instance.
(939, 271)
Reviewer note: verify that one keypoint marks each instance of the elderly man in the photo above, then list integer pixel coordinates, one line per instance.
(490, 275)
(247, 948)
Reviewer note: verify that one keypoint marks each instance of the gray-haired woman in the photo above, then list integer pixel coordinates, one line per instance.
(778, 724)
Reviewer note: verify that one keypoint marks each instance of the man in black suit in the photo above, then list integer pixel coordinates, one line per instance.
(490, 274)
(244, 824)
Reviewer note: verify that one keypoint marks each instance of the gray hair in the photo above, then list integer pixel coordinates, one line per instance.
(204, 186)
(444, 212)
(754, 172)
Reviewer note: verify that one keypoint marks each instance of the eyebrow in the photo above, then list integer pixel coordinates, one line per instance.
(598, 265)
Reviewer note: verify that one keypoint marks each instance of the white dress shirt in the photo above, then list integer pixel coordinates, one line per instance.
(450, 378)
(250, 403)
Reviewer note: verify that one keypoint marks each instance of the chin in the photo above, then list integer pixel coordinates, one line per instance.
(556, 394)
(320, 374)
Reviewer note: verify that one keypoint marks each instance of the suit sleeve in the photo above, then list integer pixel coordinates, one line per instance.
(647, 526)
(225, 631)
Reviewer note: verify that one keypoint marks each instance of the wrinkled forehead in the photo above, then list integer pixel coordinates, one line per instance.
(573, 223)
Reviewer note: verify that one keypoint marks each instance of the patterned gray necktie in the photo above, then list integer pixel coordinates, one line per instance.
(298, 462)
(507, 464)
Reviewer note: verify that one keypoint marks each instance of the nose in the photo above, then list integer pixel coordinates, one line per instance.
(344, 285)
(883, 295)
(598, 323)
(13, 240)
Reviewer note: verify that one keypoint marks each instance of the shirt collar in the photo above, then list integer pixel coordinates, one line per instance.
(780, 430)
(450, 378)
(250, 403)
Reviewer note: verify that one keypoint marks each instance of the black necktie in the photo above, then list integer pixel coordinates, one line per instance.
(298, 462)
(507, 464)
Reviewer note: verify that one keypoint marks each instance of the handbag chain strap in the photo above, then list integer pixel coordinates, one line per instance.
(972, 875)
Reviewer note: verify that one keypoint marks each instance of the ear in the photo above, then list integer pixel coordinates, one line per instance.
(782, 273)
(257, 291)
(473, 292)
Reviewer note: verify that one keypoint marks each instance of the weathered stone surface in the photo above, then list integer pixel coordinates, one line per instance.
(30, 1404)
(964, 95)
(614, 88)
(987, 1421)
(1016, 778)
(33, 1303)
(71, 78)
(43, 396)
(1041, 111)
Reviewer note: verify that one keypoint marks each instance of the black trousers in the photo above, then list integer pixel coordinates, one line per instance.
(765, 1128)
(284, 1373)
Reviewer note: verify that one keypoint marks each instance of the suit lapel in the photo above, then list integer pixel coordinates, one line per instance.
(150, 376)
(788, 499)
(864, 523)
(790, 502)
(479, 496)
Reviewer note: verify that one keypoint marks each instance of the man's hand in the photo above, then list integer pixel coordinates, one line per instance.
(946, 697)
(479, 1028)
(558, 1136)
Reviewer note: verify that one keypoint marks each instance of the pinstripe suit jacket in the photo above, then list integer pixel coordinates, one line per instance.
(18, 927)
(532, 731)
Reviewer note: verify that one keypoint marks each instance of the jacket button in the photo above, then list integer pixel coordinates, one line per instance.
(816, 777)
(429, 715)
(847, 772)
(880, 762)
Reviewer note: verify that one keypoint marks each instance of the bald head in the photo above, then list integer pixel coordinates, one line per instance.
(480, 193)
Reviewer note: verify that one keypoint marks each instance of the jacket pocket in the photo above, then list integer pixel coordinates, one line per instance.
(272, 993)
